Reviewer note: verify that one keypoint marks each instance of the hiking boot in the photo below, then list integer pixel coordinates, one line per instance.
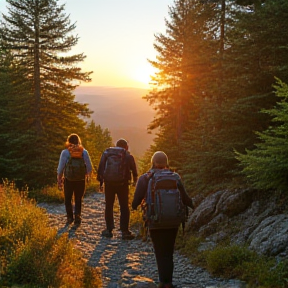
(169, 285)
(107, 233)
(70, 220)
(77, 220)
(165, 285)
(127, 235)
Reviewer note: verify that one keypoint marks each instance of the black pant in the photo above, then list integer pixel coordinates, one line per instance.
(78, 189)
(163, 242)
(122, 192)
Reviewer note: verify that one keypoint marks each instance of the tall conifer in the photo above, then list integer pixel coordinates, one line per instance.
(38, 34)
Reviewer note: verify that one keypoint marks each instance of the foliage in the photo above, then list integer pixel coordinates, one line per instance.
(215, 69)
(266, 166)
(233, 261)
(39, 82)
(96, 140)
(31, 253)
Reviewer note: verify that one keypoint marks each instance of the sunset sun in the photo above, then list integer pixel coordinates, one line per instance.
(142, 74)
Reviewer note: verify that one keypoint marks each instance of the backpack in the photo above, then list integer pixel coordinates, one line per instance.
(163, 207)
(75, 168)
(115, 166)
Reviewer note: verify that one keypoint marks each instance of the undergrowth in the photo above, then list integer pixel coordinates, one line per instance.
(51, 194)
(236, 262)
(31, 253)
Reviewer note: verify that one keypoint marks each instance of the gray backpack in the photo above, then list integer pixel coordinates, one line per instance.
(163, 206)
(115, 166)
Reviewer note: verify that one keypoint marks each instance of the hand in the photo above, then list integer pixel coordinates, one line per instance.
(60, 184)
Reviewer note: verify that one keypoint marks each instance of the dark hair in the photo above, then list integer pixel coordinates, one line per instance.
(122, 143)
(74, 139)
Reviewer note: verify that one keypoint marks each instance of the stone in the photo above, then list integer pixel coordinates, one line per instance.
(271, 236)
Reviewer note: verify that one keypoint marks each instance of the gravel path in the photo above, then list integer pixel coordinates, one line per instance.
(125, 263)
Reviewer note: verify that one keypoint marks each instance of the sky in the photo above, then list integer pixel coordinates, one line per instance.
(117, 36)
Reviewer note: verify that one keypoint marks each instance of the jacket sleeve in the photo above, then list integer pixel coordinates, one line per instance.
(185, 197)
(62, 162)
(101, 167)
(133, 168)
(140, 191)
(88, 162)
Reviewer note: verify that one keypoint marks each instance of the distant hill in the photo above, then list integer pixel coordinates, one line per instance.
(122, 111)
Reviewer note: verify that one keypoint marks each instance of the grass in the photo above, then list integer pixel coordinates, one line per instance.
(31, 253)
(233, 261)
(51, 194)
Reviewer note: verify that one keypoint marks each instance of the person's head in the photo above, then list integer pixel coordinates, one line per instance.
(122, 143)
(159, 160)
(73, 139)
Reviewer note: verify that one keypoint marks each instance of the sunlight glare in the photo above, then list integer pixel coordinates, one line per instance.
(142, 74)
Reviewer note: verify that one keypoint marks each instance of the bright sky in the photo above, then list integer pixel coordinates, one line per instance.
(117, 36)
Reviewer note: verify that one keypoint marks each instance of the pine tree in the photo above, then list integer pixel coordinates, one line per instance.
(96, 140)
(38, 34)
(181, 65)
(266, 166)
(254, 51)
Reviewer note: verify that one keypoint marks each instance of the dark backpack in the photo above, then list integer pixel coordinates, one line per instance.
(115, 166)
(163, 206)
(75, 169)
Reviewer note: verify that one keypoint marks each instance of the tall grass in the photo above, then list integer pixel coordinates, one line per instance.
(31, 253)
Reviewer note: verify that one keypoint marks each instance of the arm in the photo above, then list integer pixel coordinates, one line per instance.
(185, 197)
(62, 162)
(140, 191)
(88, 162)
(101, 167)
(133, 168)
(61, 166)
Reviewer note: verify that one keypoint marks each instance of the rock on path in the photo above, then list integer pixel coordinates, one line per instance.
(125, 263)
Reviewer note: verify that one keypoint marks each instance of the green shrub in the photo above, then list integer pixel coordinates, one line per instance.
(240, 262)
(227, 261)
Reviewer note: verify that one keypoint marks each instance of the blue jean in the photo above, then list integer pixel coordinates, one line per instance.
(122, 192)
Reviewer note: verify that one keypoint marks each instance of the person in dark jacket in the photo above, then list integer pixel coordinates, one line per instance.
(121, 190)
(163, 239)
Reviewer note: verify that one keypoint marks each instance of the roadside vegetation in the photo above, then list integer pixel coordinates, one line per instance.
(235, 262)
(29, 245)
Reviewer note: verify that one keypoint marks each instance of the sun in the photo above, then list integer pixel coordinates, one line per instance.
(142, 74)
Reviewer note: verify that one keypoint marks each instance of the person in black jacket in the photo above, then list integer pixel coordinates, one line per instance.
(163, 239)
(121, 190)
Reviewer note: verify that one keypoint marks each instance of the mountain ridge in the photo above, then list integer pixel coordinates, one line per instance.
(122, 111)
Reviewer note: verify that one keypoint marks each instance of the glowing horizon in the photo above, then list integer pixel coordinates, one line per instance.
(117, 37)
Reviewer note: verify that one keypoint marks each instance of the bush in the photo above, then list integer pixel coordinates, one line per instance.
(32, 254)
(51, 194)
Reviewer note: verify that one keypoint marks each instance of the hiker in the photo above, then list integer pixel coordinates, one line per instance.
(73, 169)
(115, 167)
(163, 239)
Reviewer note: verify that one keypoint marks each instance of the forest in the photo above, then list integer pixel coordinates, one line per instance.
(219, 93)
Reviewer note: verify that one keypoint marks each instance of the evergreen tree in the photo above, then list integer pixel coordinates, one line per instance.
(244, 76)
(96, 140)
(38, 34)
(181, 65)
(266, 166)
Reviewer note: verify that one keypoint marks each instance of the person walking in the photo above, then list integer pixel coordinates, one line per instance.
(74, 168)
(163, 240)
(115, 168)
